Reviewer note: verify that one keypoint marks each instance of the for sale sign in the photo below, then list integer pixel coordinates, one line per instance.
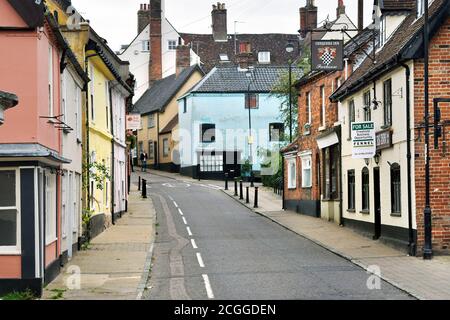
(327, 55)
(363, 140)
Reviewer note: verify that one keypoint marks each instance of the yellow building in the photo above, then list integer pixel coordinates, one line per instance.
(158, 107)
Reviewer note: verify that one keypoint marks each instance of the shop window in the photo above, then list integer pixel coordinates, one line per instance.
(211, 163)
(331, 164)
(50, 208)
(9, 228)
(365, 190)
(292, 174)
(351, 190)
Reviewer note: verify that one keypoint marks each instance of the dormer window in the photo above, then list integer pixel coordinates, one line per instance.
(224, 57)
(264, 57)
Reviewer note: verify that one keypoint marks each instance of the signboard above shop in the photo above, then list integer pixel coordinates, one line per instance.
(134, 121)
(327, 55)
(363, 140)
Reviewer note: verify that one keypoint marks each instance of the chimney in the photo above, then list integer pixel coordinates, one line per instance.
(308, 17)
(219, 22)
(360, 15)
(245, 56)
(340, 9)
(155, 72)
(183, 58)
(143, 17)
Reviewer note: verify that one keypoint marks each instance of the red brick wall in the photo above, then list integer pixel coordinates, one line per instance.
(440, 165)
(155, 42)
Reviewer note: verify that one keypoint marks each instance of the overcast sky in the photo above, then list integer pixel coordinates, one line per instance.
(116, 20)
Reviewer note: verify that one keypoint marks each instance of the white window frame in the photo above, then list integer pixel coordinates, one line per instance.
(292, 176)
(17, 248)
(323, 107)
(264, 57)
(50, 217)
(51, 111)
(78, 115)
(145, 45)
(306, 160)
(172, 45)
(309, 109)
(420, 8)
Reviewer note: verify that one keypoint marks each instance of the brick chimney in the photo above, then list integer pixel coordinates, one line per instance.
(219, 22)
(183, 58)
(143, 17)
(360, 15)
(155, 72)
(308, 17)
(340, 9)
(245, 58)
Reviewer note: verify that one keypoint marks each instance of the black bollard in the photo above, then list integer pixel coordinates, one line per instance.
(241, 191)
(139, 184)
(247, 198)
(144, 188)
(226, 181)
(235, 188)
(252, 180)
(256, 198)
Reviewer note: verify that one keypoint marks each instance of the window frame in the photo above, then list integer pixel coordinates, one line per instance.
(5, 250)
(304, 160)
(50, 234)
(172, 45)
(397, 211)
(323, 111)
(249, 98)
(351, 191)
(151, 151)
(166, 147)
(145, 46)
(365, 188)
(292, 176)
(262, 55)
(367, 101)
(387, 103)
(203, 130)
(151, 121)
(351, 116)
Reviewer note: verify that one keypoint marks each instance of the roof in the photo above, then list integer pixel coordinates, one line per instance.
(404, 44)
(229, 79)
(8, 100)
(163, 91)
(209, 50)
(170, 126)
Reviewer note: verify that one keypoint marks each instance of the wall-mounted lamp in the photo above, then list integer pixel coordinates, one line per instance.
(367, 161)
(376, 104)
(376, 158)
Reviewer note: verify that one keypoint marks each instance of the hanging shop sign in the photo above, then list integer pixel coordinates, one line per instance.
(384, 139)
(363, 140)
(133, 122)
(327, 55)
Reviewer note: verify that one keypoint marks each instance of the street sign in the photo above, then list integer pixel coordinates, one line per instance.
(133, 122)
(327, 55)
(363, 140)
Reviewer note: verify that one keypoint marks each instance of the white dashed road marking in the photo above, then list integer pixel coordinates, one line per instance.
(181, 212)
(184, 220)
(209, 291)
(200, 260)
(175, 204)
(194, 245)
(189, 231)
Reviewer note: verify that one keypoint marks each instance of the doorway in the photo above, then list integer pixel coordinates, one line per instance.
(377, 203)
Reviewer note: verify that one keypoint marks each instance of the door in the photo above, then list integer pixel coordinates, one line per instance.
(71, 210)
(377, 203)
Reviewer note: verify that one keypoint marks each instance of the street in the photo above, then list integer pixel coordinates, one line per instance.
(208, 246)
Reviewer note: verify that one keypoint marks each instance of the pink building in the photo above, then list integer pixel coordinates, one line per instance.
(30, 146)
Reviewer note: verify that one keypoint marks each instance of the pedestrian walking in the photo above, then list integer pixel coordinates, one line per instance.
(144, 158)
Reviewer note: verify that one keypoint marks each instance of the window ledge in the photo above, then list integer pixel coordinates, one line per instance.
(365, 211)
(351, 210)
(322, 128)
(307, 187)
(386, 126)
(396, 214)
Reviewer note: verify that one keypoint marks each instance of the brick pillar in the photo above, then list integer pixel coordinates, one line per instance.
(183, 58)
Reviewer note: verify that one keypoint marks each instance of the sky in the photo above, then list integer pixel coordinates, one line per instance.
(116, 20)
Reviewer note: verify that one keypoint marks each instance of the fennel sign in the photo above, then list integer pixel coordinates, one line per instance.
(364, 144)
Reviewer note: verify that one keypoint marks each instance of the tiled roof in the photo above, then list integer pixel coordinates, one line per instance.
(163, 91)
(392, 51)
(230, 79)
(209, 50)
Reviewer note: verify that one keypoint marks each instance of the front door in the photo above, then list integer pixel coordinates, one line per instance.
(376, 189)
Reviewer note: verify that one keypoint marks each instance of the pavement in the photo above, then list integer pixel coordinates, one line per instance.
(209, 246)
(117, 263)
(425, 280)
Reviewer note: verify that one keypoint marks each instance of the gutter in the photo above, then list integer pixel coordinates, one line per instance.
(412, 244)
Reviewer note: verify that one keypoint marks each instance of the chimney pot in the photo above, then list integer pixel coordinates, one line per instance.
(219, 22)
(183, 58)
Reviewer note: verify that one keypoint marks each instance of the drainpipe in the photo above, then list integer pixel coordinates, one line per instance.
(284, 188)
(412, 243)
(113, 169)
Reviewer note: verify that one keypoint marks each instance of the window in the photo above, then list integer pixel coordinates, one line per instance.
(184, 105)
(107, 97)
(306, 172)
(351, 117)
(276, 131)
(166, 147)
(308, 113)
(420, 8)
(245, 47)
(351, 190)
(211, 162)
(365, 190)
(208, 133)
(396, 189)
(331, 164)
(151, 121)
(367, 105)
(292, 173)
(50, 208)
(9, 211)
(78, 115)
(252, 100)
(224, 57)
(264, 57)
(172, 44)
(91, 74)
(50, 82)
(323, 108)
(146, 45)
(387, 103)
(150, 150)
(382, 35)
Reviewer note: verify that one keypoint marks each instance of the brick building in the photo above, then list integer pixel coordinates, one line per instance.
(385, 196)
